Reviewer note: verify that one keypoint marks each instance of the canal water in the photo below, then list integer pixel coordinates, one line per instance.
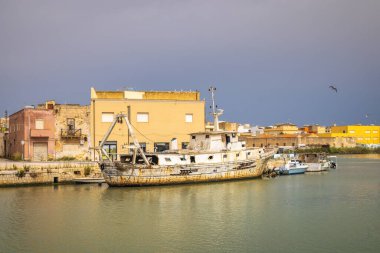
(337, 211)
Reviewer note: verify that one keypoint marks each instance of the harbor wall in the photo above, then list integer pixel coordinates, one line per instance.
(31, 173)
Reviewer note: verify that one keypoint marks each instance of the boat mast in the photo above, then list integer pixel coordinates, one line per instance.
(215, 112)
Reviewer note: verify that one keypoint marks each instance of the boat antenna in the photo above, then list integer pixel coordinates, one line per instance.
(215, 112)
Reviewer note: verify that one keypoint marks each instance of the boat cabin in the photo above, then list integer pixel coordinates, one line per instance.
(216, 141)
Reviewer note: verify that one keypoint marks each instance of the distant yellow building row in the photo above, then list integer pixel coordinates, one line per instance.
(361, 134)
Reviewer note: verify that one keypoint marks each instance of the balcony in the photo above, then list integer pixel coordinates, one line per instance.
(71, 133)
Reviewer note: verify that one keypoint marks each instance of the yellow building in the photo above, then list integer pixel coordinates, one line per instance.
(158, 117)
(286, 128)
(365, 135)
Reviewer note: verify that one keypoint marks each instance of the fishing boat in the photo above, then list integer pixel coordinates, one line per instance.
(293, 167)
(318, 162)
(211, 156)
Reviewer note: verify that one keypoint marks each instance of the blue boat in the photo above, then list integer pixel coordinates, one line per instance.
(293, 167)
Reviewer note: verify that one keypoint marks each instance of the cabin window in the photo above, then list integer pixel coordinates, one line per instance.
(188, 117)
(261, 145)
(224, 156)
(237, 155)
(107, 117)
(211, 157)
(284, 144)
(167, 159)
(192, 159)
(249, 153)
(207, 136)
(193, 137)
(185, 145)
(293, 144)
(182, 158)
(142, 117)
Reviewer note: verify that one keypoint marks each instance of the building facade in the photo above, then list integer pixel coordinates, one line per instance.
(72, 130)
(364, 135)
(297, 140)
(285, 128)
(158, 117)
(2, 144)
(31, 134)
(3, 125)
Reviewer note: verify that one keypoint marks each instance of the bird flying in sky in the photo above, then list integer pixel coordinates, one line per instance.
(333, 88)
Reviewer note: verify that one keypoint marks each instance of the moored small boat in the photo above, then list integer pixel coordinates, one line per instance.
(318, 162)
(293, 167)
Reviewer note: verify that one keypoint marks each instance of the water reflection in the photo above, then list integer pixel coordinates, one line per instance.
(339, 208)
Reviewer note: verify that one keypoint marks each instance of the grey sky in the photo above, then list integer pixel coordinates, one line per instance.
(272, 61)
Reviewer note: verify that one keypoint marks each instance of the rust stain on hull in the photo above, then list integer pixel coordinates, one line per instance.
(164, 176)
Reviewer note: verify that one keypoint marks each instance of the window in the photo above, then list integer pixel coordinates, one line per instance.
(192, 159)
(352, 131)
(183, 158)
(142, 117)
(167, 159)
(284, 144)
(111, 149)
(375, 132)
(39, 124)
(161, 146)
(193, 137)
(184, 145)
(207, 136)
(237, 155)
(224, 156)
(367, 132)
(188, 117)
(71, 124)
(143, 146)
(211, 157)
(107, 117)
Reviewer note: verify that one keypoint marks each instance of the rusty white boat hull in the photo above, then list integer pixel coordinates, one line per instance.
(117, 175)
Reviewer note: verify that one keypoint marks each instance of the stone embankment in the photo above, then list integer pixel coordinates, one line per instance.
(29, 173)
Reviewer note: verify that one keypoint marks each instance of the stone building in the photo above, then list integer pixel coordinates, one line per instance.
(31, 134)
(72, 130)
(2, 144)
(157, 116)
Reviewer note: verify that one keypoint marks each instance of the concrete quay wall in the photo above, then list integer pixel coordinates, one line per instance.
(29, 173)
